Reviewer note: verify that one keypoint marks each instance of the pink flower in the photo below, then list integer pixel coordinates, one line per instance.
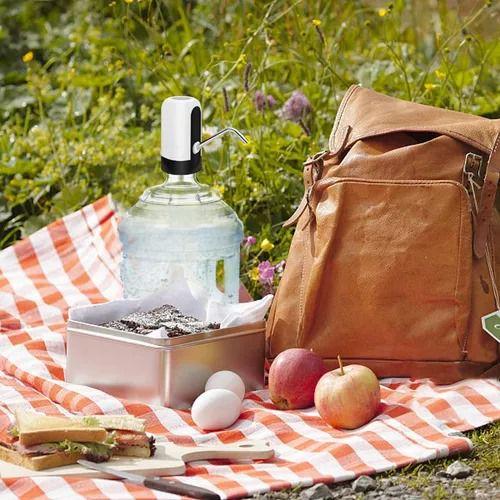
(249, 241)
(271, 101)
(262, 101)
(266, 272)
(297, 107)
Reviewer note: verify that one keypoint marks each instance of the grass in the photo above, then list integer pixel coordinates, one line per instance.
(81, 84)
(484, 459)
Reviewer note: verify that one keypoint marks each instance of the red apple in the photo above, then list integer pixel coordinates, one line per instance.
(348, 397)
(293, 377)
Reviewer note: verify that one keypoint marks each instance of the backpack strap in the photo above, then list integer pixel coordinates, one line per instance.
(313, 170)
(487, 200)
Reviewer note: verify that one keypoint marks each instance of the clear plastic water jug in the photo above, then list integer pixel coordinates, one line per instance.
(181, 222)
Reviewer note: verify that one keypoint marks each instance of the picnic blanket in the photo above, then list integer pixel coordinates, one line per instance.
(75, 261)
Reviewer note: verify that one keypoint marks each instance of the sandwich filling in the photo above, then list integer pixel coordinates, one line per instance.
(94, 452)
(125, 439)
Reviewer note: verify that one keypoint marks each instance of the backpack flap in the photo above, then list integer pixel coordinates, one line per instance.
(365, 113)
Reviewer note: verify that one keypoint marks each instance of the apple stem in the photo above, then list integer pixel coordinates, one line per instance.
(341, 366)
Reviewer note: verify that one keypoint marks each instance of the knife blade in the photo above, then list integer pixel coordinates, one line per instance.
(155, 483)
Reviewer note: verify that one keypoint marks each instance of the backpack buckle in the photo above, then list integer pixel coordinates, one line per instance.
(313, 170)
(317, 162)
(473, 168)
(473, 177)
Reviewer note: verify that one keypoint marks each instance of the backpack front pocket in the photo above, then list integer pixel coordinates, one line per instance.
(388, 274)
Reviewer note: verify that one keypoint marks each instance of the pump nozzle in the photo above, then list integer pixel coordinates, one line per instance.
(198, 145)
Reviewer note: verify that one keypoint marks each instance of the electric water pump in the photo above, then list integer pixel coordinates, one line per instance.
(181, 222)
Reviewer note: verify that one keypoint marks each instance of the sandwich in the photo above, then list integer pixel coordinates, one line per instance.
(38, 441)
(129, 436)
(41, 442)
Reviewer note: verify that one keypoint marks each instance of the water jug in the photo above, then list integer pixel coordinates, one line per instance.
(181, 223)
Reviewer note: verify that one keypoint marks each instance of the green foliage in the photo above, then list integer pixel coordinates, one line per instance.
(82, 83)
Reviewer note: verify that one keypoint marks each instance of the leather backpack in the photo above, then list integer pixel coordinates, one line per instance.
(396, 250)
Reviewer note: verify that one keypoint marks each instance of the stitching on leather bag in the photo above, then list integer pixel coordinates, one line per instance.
(270, 320)
(493, 255)
(415, 361)
(327, 182)
(300, 326)
(477, 143)
(481, 146)
(488, 364)
(495, 148)
(340, 114)
(461, 342)
(401, 182)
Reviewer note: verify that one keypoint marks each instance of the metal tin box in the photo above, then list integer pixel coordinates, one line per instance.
(168, 371)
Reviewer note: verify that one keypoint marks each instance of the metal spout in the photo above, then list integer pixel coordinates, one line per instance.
(198, 145)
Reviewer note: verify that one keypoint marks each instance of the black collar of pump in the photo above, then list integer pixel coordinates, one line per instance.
(181, 167)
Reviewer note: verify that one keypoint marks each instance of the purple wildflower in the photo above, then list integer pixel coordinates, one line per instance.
(262, 101)
(266, 272)
(249, 241)
(259, 100)
(297, 107)
(271, 101)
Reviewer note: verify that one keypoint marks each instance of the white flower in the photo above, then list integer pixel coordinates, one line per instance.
(215, 144)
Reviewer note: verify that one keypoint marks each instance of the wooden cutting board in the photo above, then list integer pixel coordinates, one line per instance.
(169, 460)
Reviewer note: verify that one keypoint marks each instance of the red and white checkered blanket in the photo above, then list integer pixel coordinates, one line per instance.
(75, 261)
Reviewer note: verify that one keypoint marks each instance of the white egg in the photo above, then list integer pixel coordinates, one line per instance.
(227, 380)
(216, 409)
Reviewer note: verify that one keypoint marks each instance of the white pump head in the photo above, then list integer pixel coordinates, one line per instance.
(181, 135)
(180, 130)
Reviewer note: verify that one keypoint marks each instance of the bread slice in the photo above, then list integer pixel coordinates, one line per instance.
(39, 463)
(36, 428)
(120, 422)
(80, 435)
(32, 420)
